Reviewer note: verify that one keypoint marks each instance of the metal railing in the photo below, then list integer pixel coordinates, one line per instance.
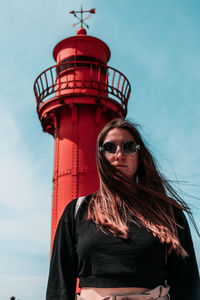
(65, 78)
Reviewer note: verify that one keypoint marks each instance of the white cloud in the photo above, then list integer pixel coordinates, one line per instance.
(23, 287)
(25, 208)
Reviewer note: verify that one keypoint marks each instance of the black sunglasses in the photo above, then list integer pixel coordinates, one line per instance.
(127, 147)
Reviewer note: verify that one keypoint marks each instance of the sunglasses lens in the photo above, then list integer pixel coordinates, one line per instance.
(109, 147)
(129, 147)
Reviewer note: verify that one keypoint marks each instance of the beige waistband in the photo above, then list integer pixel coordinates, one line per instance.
(159, 293)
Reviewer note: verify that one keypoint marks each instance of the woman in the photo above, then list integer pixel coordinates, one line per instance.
(129, 240)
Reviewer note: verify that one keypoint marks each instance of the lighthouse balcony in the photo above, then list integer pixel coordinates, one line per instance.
(70, 81)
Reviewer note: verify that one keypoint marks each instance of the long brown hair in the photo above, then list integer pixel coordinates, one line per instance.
(150, 200)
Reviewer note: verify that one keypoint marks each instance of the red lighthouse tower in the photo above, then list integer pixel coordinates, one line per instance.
(75, 99)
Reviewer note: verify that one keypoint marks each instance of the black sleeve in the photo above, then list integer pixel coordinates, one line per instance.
(183, 275)
(63, 266)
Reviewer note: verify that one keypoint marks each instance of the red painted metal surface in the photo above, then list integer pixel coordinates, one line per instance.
(75, 99)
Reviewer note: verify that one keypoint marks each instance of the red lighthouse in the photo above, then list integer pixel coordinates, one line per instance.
(75, 99)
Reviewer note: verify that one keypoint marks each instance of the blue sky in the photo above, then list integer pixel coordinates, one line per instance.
(155, 43)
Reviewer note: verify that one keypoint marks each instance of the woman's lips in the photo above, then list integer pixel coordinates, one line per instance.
(120, 166)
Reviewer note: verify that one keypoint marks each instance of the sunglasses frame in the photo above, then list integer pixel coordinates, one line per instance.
(137, 147)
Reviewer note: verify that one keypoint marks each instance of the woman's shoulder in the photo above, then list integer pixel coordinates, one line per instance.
(179, 215)
(183, 227)
(73, 206)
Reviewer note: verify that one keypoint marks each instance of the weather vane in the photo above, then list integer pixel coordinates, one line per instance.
(81, 20)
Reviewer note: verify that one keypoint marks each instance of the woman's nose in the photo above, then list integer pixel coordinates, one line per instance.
(119, 154)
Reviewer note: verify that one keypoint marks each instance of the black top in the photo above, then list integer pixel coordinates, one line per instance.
(102, 260)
